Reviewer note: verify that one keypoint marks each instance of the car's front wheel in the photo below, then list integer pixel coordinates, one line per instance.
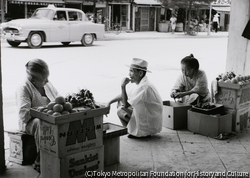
(14, 43)
(35, 40)
(87, 39)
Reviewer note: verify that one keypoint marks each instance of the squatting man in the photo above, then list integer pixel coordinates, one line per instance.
(139, 109)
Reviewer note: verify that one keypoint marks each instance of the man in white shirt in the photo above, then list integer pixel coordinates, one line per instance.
(141, 109)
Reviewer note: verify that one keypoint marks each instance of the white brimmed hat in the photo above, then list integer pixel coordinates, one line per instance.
(139, 64)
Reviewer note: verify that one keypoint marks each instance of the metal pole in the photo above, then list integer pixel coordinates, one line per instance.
(2, 151)
(209, 21)
(2, 11)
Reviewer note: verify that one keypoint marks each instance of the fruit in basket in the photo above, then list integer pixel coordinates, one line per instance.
(73, 111)
(58, 108)
(224, 77)
(41, 108)
(50, 112)
(238, 78)
(60, 100)
(234, 80)
(56, 114)
(67, 106)
(51, 105)
(82, 98)
(65, 112)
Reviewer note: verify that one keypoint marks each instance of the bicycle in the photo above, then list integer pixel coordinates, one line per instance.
(114, 27)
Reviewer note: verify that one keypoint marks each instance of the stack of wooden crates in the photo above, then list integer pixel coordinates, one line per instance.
(236, 100)
(71, 144)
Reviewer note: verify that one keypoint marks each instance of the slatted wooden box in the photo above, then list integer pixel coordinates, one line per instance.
(73, 133)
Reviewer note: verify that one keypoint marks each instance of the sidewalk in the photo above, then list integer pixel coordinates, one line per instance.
(170, 150)
(159, 35)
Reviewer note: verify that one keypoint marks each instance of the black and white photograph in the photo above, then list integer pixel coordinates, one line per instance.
(125, 88)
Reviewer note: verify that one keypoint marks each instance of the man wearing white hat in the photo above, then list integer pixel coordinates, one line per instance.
(142, 108)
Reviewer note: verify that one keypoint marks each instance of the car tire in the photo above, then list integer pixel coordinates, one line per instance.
(65, 43)
(14, 43)
(87, 39)
(35, 40)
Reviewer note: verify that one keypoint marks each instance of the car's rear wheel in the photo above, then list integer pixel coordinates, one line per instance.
(35, 40)
(13, 43)
(87, 39)
(65, 43)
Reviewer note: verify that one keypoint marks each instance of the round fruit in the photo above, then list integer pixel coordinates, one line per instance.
(238, 78)
(45, 110)
(58, 108)
(60, 100)
(221, 80)
(50, 112)
(65, 112)
(67, 106)
(234, 80)
(73, 111)
(51, 105)
(41, 108)
(224, 77)
(228, 81)
(56, 114)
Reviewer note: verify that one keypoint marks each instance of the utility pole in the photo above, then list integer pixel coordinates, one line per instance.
(2, 151)
(209, 20)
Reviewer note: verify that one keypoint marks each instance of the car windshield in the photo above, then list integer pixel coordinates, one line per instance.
(43, 14)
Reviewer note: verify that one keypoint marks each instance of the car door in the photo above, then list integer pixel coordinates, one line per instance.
(76, 27)
(60, 27)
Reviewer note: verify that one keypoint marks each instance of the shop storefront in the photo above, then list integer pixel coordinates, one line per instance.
(119, 13)
(16, 9)
(145, 15)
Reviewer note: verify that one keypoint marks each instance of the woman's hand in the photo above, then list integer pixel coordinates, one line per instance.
(180, 94)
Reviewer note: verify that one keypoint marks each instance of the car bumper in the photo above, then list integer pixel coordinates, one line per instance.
(13, 37)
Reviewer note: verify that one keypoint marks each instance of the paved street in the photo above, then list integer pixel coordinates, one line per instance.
(101, 67)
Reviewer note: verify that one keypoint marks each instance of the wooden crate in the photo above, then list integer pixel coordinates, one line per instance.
(111, 142)
(175, 115)
(233, 96)
(69, 134)
(22, 148)
(209, 125)
(240, 119)
(72, 137)
(74, 165)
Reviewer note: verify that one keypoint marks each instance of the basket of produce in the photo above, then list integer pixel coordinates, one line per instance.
(208, 108)
(71, 107)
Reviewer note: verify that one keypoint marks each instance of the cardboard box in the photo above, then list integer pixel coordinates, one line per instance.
(71, 137)
(72, 165)
(22, 148)
(209, 125)
(233, 96)
(111, 142)
(175, 115)
(240, 118)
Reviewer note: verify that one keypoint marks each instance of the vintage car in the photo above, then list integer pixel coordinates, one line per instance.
(52, 24)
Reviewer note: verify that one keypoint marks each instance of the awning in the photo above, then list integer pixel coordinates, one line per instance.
(147, 2)
(36, 2)
(221, 8)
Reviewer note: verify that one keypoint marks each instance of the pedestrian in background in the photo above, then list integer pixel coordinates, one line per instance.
(216, 22)
(173, 20)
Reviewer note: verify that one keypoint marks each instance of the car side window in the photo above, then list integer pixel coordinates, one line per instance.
(60, 15)
(79, 16)
(73, 16)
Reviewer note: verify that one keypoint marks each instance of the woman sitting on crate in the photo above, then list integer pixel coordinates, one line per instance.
(35, 91)
(191, 86)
